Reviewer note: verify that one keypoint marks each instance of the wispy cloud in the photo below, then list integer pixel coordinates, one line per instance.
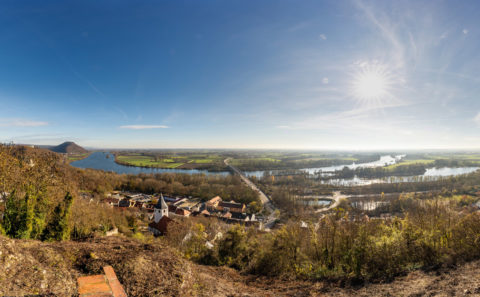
(143, 127)
(322, 36)
(361, 118)
(21, 123)
(42, 138)
(465, 31)
(384, 25)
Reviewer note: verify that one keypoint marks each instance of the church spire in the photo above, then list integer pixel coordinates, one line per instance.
(160, 209)
(162, 202)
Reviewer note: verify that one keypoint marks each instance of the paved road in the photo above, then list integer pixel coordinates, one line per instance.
(267, 203)
(337, 196)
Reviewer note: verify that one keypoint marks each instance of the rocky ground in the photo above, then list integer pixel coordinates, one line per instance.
(31, 267)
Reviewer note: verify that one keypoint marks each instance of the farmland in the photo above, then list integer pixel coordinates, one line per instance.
(271, 160)
(77, 156)
(410, 162)
(173, 160)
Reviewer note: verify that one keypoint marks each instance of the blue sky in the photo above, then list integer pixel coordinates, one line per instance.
(241, 74)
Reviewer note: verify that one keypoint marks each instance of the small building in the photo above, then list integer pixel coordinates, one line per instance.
(212, 204)
(173, 199)
(190, 205)
(182, 212)
(240, 216)
(111, 201)
(231, 206)
(126, 203)
(172, 208)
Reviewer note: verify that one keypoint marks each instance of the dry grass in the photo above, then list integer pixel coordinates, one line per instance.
(153, 269)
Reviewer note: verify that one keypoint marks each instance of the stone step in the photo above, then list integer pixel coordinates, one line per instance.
(101, 285)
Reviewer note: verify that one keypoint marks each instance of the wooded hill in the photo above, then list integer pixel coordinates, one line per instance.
(68, 148)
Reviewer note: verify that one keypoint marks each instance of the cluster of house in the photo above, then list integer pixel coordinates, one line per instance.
(127, 200)
(171, 207)
(228, 211)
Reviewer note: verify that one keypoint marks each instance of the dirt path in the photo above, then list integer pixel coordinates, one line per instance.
(337, 196)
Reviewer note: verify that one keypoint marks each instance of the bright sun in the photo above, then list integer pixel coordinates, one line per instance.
(371, 83)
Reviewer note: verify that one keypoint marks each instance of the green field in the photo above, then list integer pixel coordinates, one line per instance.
(202, 161)
(236, 162)
(410, 162)
(76, 157)
(171, 161)
(148, 161)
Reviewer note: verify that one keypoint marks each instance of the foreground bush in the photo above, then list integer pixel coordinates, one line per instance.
(430, 234)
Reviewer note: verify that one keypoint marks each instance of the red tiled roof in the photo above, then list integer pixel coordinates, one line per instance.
(214, 199)
(161, 225)
(231, 204)
(182, 212)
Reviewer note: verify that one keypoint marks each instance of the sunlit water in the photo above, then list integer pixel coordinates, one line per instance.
(431, 174)
(316, 202)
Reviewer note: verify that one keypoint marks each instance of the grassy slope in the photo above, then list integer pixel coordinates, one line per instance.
(153, 269)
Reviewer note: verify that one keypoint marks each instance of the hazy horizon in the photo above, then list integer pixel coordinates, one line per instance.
(284, 149)
(312, 75)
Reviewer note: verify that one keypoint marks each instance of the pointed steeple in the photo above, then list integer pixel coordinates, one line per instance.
(161, 203)
(161, 209)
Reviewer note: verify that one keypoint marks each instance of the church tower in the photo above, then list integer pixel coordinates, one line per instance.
(160, 210)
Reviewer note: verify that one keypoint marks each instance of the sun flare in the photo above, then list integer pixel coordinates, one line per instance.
(371, 83)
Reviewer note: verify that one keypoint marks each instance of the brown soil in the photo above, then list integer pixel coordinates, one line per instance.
(32, 267)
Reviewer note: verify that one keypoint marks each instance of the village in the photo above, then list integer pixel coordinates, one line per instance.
(160, 210)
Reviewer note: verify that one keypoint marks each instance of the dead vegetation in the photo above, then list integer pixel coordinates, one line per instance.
(154, 269)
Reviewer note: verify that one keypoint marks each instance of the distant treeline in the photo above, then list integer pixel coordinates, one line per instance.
(286, 163)
(462, 184)
(378, 172)
(197, 185)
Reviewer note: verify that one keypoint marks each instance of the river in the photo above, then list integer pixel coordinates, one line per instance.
(431, 174)
(106, 161)
(326, 171)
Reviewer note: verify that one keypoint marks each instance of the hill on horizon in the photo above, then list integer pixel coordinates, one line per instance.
(68, 147)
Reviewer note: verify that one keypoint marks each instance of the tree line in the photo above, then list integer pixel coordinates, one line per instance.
(339, 246)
